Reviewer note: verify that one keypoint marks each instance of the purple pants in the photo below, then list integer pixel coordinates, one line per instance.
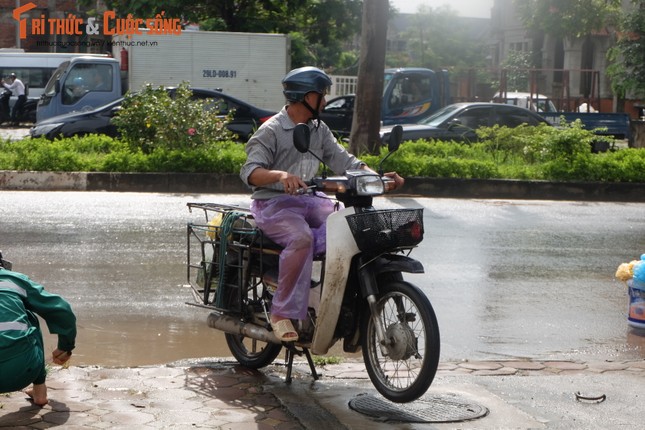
(296, 223)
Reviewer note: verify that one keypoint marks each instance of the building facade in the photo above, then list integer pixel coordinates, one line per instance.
(571, 71)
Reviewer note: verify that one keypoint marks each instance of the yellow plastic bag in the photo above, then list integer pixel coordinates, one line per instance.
(214, 226)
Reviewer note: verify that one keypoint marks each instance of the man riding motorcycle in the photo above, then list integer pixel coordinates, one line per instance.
(277, 172)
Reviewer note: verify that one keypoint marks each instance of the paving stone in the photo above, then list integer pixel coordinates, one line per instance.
(525, 365)
(170, 405)
(67, 418)
(118, 405)
(69, 394)
(446, 366)
(565, 365)
(503, 371)
(461, 371)
(75, 426)
(217, 404)
(237, 416)
(352, 374)
(481, 365)
(24, 417)
(606, 366)
(267, 400)
(158, 372)
(176, 394)
(639, 364)
(163, 382)
(113, 384)
(128, 418)
(217, 396)
(188, 416)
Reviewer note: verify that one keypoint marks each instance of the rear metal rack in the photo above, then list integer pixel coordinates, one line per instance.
(222, 253)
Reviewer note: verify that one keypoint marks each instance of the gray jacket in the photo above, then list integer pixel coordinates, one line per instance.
(271, 147)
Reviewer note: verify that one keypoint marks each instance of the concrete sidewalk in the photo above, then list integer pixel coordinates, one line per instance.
(220, 394)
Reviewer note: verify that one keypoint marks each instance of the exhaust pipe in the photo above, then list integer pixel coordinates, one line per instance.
(231, 325)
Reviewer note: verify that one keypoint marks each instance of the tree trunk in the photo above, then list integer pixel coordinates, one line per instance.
(369, 90)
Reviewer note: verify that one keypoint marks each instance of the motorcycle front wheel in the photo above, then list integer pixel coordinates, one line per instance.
(403, 368)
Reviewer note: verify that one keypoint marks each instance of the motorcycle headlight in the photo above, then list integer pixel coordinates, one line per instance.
(369, 185)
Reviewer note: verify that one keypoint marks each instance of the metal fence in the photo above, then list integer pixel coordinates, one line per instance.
(342, 85)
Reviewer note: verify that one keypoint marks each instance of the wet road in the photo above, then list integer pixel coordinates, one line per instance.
(508, 279)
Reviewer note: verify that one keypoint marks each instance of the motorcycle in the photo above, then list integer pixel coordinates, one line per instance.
(28, 114)
(5, 111)
(359, 295)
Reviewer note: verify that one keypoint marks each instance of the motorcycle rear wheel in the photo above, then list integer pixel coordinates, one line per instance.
(252, 353)
(404, 373)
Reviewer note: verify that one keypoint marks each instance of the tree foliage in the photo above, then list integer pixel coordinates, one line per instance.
(323, 24)
(568, 18)
(627, 57)
(517, 65)
(436, 40)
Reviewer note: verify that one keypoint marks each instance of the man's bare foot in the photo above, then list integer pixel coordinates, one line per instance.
(38, 394)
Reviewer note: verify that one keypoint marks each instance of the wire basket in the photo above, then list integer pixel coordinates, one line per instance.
(381, 230)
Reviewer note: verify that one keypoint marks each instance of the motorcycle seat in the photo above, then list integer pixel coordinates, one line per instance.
(258, 240)
(261, 242)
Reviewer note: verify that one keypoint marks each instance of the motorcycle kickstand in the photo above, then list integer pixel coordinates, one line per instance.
(291, 352)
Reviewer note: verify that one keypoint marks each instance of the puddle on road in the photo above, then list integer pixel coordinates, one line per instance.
(141, 341)
(523, 280)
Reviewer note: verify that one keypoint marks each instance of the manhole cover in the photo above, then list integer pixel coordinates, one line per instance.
(434, 409)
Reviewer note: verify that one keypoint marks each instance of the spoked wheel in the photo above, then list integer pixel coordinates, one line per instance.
(403, 368)
(250, 352)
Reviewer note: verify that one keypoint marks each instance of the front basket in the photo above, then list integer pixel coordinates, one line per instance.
(382, 230)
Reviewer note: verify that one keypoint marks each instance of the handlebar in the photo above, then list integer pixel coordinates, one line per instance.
(340, 184)
(389, 183)
(309, 190)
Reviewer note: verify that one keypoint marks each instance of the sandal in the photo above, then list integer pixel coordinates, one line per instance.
(284, 330)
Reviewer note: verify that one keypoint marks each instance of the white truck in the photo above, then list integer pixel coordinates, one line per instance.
(248, 66)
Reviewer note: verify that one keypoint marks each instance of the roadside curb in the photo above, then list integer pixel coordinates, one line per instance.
(231, 184)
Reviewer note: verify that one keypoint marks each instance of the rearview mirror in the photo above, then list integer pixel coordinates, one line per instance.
(396, 137)
(301, 137)
(453, 123)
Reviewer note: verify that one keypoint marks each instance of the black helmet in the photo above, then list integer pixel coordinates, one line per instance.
(299, 82)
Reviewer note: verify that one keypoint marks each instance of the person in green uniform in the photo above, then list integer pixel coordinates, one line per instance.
(22, 354)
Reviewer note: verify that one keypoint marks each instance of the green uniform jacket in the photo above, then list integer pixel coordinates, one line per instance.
(20, 299)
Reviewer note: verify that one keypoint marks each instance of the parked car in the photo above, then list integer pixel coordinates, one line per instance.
(460, 121)
(338, 114)
(246, 118)
(532, 101)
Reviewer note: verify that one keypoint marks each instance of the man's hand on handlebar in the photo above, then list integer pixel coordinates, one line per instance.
(395, 182)
(292, 184)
